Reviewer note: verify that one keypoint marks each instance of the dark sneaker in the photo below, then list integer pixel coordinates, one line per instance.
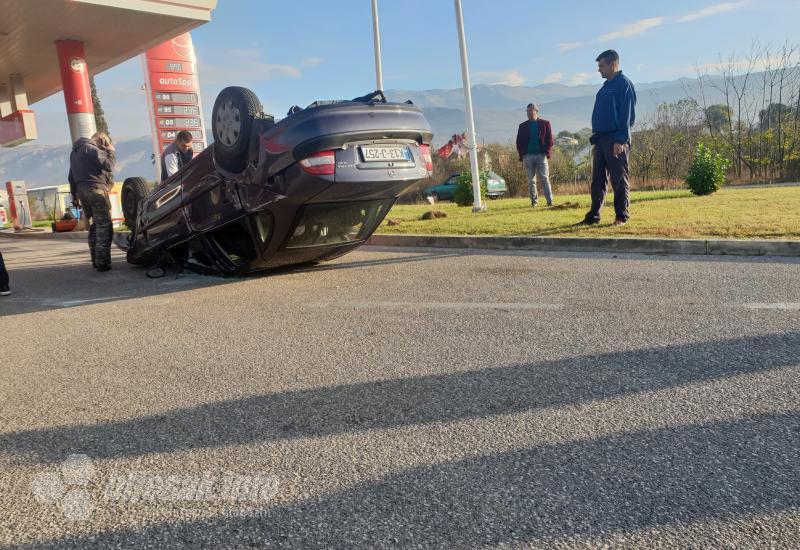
(533, 204)
(4, 290)
(550, 203)
(102, 268)
(620, 221)
(589, 220)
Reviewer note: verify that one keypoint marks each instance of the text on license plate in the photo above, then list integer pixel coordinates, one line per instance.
(385, 153)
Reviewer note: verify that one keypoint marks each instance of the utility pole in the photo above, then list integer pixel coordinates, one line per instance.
(472, 140)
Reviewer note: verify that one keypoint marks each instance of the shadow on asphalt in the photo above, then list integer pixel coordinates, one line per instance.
(621, 483)
(48, 283)
(413, 401)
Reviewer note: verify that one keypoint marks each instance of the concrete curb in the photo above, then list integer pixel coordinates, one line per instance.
(70, 235)
(581, 244)
(715, 247)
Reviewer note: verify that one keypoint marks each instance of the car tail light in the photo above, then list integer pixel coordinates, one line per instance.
(320, 164)
(425, 151)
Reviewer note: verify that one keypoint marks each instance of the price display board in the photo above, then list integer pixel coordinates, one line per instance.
(173, 93)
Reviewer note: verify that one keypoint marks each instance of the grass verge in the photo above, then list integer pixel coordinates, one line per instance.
(758, 213)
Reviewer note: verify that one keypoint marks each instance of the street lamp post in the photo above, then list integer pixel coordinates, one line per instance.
(376, 33)
(472, 140)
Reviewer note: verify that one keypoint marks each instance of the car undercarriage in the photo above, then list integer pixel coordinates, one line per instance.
(310, 187)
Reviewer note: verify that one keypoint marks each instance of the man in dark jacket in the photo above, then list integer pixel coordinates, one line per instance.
(89, 169)
(613, 116)
(534, 145)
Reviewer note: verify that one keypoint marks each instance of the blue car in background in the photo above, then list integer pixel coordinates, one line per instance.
(495, 187)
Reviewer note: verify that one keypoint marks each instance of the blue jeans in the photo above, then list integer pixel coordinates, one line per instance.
(537, 167)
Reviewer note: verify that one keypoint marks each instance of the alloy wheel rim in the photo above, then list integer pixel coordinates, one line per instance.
(229, 124)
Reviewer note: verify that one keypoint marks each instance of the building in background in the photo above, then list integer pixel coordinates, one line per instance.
(47, 46)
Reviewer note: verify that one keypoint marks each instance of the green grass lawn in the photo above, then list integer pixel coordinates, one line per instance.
(759, 213)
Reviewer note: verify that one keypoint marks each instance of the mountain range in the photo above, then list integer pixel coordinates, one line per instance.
(498, 111)
(500, 108)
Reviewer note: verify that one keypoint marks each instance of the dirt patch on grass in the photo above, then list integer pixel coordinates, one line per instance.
(432, 214)
(566, 205)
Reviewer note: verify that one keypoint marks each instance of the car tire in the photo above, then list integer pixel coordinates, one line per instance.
(133, 191)
(231, 125)
(435, 196)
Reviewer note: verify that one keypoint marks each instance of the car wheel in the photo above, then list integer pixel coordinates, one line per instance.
(435, 196)
(133, 191)
(231, 124)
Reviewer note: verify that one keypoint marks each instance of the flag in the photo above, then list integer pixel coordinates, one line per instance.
(445, 150)
(457, 144)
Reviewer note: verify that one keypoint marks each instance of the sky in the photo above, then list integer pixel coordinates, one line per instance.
(292, 53)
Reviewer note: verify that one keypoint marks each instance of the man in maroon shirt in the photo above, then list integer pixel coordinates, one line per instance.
(534, 145)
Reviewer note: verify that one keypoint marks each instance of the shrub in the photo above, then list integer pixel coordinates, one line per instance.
(463, 195)
(707, 171)
(562, 168)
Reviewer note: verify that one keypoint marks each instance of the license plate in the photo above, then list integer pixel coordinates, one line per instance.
(385, 153)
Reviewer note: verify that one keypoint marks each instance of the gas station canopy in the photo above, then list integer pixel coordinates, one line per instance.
(112, 31)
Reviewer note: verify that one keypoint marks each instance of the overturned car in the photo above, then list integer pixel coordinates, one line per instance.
(265, 194)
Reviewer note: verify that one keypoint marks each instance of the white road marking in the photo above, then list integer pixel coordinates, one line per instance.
(775, 305)
(439, 305)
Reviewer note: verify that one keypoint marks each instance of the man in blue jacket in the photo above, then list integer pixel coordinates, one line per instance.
(612, 118)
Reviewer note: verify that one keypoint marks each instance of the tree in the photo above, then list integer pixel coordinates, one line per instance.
(99, 115)
(718, 118)
(773, 116)
(583, 136)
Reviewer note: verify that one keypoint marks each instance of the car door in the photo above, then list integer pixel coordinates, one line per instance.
(163, 217)
(210, 200)
(449, 188)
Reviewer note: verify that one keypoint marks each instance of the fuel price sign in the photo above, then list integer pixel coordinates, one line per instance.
(173, 94)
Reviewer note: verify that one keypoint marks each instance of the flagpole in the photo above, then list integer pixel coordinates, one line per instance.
(376, 34)
(472, 141)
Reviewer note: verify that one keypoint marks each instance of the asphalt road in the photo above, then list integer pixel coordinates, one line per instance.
(402, 398)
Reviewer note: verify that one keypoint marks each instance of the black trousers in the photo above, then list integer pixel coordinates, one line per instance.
(606, 167)
(3, 273)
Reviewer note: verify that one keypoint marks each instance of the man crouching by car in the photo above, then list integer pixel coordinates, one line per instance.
(91, 165)
(177, 154)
